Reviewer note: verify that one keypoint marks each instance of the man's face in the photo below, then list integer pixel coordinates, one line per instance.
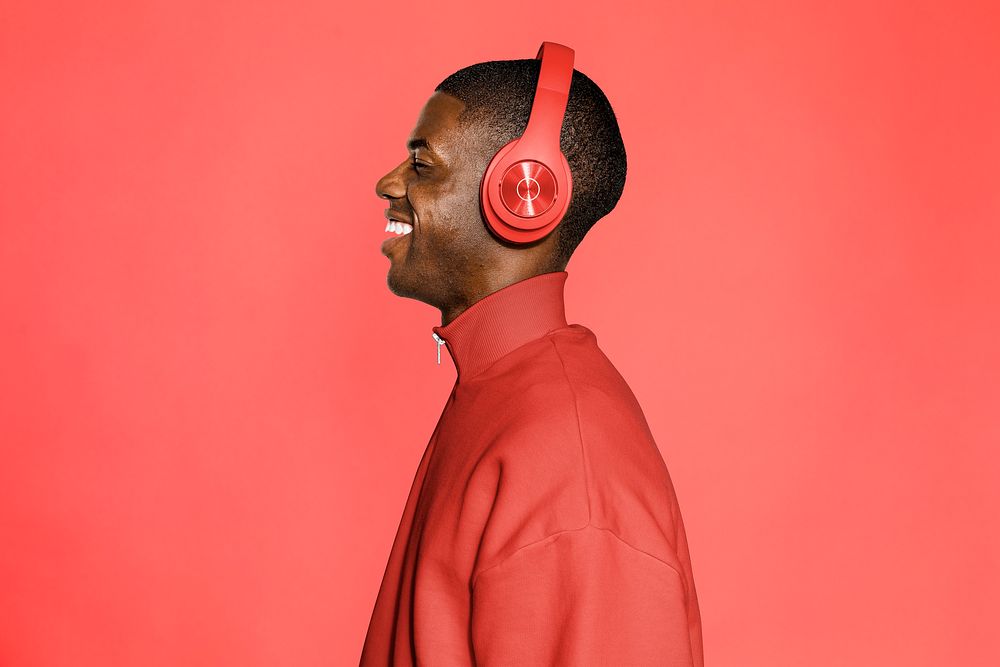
(436, 190)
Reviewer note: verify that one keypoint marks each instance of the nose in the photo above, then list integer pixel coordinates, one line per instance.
(392, 185)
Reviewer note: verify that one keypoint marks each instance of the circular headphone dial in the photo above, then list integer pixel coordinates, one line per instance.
(528, 189)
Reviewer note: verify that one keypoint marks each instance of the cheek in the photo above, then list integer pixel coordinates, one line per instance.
(447, 206)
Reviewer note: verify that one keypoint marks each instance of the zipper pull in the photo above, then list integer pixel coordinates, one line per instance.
(440, 342)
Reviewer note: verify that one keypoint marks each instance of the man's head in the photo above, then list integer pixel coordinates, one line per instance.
(451, 259)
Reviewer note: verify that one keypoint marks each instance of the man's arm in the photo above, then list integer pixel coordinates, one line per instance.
(580, 597)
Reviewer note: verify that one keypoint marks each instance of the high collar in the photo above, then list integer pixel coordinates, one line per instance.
(503, 321)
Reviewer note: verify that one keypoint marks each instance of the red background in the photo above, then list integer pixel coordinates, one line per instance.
(211, 406)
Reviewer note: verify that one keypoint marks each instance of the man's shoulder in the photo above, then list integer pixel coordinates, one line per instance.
(573, 446)
(562, 363)
(566, 388)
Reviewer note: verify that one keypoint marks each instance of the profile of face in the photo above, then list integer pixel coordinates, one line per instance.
(435, 191)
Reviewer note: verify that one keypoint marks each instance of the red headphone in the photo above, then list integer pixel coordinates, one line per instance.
(527, 186)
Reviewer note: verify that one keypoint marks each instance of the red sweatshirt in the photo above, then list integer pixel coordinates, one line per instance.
(542, 526)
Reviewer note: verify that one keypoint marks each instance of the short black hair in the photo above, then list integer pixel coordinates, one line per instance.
(499, 94)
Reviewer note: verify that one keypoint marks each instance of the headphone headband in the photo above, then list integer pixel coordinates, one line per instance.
(527, 185)
(551, 93)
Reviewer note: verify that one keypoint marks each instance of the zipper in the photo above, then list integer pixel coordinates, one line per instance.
(440, 341)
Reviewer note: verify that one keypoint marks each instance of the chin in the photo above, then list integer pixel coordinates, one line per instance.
(400, 282)
(394, 283)
(408, 286)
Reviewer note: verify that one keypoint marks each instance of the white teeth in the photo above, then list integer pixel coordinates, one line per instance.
(399, 228)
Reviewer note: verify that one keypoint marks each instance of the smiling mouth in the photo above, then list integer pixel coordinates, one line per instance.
(399, 229)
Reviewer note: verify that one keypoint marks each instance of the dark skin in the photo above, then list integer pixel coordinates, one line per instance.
(451, 259)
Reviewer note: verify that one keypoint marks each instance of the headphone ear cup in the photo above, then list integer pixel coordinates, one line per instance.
(515, 185)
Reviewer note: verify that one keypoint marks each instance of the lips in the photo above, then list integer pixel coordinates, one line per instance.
(398, 223)
(398, 216)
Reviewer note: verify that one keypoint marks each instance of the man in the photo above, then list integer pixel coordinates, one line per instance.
(542, 527)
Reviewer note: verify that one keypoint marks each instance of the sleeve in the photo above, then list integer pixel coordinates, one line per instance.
(580, 597)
